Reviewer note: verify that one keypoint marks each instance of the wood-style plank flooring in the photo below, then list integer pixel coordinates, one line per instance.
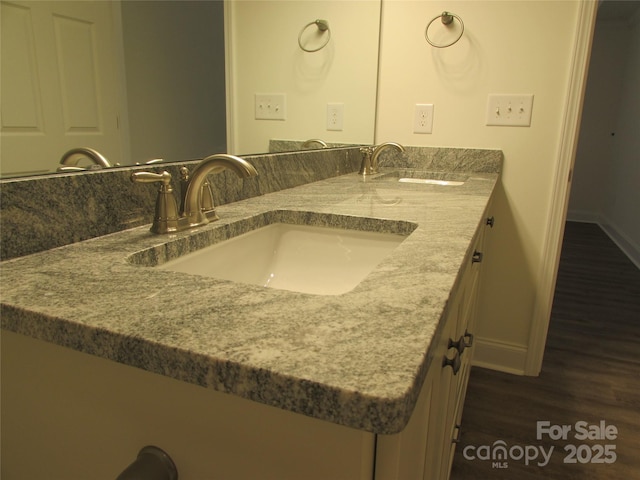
(591, 373)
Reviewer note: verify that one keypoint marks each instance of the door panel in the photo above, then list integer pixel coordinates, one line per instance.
(59, 89)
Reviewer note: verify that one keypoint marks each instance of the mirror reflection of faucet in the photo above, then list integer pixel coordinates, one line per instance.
(315, 141)
(365, 165)
(197, 207)
(70, 160)
(152, 161)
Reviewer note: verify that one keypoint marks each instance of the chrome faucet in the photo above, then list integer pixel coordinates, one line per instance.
(378, 150)
(197, 209)
(70, 159)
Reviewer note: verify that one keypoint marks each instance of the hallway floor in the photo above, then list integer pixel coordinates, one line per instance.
(590, 373)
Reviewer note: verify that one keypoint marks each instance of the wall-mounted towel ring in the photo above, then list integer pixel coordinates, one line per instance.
(447, 20)
(323, 26)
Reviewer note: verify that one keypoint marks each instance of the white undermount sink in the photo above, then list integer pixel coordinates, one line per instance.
(301, 258)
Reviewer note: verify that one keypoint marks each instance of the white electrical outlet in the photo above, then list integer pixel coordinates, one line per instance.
(423, 118)
(335, 116)
(271, 106)
(510, 110)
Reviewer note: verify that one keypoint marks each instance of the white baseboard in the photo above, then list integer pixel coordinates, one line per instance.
(583, 216)
(501, 356)
(630, 248)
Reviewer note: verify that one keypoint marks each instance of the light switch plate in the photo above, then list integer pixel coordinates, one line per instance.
(271, 106)
(509, 110)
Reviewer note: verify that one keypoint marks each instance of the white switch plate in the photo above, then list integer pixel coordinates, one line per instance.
(423, 118)
(511, 110)
(335, 116)
(271, 106)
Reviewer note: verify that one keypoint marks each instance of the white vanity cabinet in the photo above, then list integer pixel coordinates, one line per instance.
(69, 415)
(82, 416)
(425, 448)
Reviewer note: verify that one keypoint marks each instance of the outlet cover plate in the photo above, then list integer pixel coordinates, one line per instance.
(509, 110)
(423, 118)
(271, 106)
(335, 116)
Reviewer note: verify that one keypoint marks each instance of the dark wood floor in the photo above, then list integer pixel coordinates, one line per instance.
(591, 373)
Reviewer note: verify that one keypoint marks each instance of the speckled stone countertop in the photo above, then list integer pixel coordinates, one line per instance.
(356, 359)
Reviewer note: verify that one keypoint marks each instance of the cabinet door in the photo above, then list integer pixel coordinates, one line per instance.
(453, 378)
(424, 450)
(84, 417)
(416, 452)
(467, 294)
(404, 455)
(445, 366)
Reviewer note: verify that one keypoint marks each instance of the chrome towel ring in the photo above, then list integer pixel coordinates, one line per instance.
(447, 20)
(323, 26)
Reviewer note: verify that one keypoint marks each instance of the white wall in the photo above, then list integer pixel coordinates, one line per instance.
(265, 58)
(507, 47)
(606, 179)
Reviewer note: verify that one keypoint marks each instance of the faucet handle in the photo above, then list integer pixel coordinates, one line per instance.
(165, 219)
(150, 177)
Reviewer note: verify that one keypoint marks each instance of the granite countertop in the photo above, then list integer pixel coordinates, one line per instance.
(357, 359)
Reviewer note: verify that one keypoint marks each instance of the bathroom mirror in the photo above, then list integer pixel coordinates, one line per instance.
(182, 77)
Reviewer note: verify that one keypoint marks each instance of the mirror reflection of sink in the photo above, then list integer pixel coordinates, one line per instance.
(429, 178)
(303, 258)
(430, 181)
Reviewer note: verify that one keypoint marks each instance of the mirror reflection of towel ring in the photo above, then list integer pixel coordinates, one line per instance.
(323, 26)
(447, 19)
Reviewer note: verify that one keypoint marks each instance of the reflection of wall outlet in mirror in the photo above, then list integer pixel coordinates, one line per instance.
(423, 118)
(335, 116)
(271, 106)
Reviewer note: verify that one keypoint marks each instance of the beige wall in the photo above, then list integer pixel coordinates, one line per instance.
(507, 47)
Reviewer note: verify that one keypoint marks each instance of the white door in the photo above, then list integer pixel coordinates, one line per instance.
(59, 83)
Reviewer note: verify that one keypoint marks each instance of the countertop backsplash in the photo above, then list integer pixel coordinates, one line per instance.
(48, 211)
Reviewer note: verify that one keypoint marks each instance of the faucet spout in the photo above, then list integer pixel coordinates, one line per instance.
(211, 164)
(315, 141)
(378, 150)
(73, 156)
